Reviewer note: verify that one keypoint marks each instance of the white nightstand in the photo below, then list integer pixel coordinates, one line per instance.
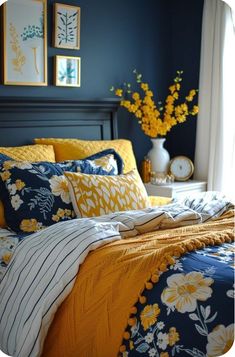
(176, 189)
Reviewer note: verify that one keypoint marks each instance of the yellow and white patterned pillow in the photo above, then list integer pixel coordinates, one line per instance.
(95, 195)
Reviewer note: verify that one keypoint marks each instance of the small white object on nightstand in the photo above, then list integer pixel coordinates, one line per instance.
(176, 189)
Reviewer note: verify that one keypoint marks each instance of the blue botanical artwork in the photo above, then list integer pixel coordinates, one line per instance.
(67, 26)
(68, 71)
(32, 35)
(33, 31)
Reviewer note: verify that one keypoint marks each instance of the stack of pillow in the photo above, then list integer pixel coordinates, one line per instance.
(86, 180)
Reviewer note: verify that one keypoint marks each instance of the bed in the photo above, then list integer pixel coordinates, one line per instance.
(141, 283)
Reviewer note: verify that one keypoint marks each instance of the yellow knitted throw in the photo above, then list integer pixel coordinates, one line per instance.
(92, 320)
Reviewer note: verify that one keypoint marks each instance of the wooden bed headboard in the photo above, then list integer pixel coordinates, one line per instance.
(23, 119)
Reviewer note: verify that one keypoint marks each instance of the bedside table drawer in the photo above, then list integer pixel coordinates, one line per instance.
(176, 189)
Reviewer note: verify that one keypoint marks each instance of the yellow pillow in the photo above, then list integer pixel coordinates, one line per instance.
(159, 201)
(32, 153)
(95, 195)
(75, 149)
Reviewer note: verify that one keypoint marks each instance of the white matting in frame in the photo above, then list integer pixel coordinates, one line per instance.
(25, 42)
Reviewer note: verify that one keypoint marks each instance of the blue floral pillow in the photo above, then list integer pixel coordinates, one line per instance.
(4, 157)
(106, 162)
(36, 195)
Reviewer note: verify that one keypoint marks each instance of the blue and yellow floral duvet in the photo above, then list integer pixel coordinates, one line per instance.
(189, 312)
(8, 243)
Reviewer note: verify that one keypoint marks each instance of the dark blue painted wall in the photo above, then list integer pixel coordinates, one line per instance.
(156, 36)
(186, 23)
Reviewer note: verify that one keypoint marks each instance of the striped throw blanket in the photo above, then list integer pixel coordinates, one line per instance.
(44, 266)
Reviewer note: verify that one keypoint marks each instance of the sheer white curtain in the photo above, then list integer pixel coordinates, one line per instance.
(215, 143)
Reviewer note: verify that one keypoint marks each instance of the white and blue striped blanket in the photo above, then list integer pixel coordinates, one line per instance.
(44, 265)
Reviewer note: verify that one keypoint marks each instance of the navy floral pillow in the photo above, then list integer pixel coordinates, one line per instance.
(36, 195)
(106, 162)
(4, 157)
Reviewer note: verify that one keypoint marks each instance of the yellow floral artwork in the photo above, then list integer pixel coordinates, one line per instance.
(20, 59)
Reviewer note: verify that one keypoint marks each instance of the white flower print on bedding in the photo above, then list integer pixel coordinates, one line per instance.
(184, 290)
(220, 340)
(12, 189)
(149, 337)
(59, 187)
(162, 340)
(16, 202)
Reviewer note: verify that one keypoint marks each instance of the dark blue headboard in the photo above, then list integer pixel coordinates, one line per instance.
(23, 119)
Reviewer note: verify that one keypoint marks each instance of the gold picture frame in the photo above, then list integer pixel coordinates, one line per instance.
(66, 29)
(25, 43)
(67, 71)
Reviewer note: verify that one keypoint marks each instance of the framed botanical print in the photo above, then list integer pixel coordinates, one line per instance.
(66, 26)
(67, 71)
(25, 42)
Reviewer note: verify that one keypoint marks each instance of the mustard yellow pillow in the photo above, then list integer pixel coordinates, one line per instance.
(95, 195)
(159, 201)
(33, 153)
(75, 149)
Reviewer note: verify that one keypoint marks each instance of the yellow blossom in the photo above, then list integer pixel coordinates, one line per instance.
(192, 93)
(149, 315)
(184, 107)
(189, 98)
(177, 86)
(60, 213)
(175, 95)
(119, 92)
(170, 99)
(164, 354)
(149, 93)
(138, 114)
(181, 118)
(6, 257)
(68, 212)
(195, 110)
(7, 165)
(19, 185)
(29, 225)
(169, 108)
(136, 96)
(172, 88)
(5, 175)
(147, 100)
(138, 102)
(55, 218)
(131, 344)
(173, 336)
(125, 103)
(133, 108)
(144, 86)
(157, 120)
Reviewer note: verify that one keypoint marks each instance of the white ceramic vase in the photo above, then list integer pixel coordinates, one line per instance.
(159, 156)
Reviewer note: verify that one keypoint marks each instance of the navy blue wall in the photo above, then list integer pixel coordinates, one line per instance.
(186, 23)
(156, 36)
